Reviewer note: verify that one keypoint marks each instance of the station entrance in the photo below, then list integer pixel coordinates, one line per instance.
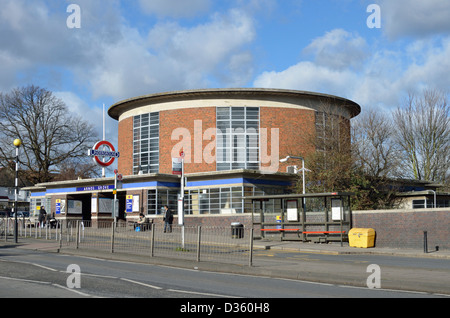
(96, 206)
(315, 217)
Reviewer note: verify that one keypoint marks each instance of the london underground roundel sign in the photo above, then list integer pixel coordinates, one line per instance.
(98, 151)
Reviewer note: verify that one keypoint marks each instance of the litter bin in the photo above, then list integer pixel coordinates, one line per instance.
(237, 230)
(359, 237)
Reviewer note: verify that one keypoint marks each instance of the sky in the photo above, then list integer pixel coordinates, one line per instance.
(370, 51)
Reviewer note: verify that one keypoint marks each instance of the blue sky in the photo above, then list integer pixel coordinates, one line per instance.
(129, 48)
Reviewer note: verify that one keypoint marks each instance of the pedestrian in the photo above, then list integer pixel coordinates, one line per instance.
(168, 219)
(42, 216)
(140, 222)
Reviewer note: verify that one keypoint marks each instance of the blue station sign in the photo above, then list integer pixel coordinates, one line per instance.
(96, 188)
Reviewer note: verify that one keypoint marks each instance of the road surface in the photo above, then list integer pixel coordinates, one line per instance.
(29, 274)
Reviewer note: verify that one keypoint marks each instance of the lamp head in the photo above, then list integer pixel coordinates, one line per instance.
(17, 142)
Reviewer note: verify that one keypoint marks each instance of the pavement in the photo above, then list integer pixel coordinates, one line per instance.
(343, 272)
(337, 249)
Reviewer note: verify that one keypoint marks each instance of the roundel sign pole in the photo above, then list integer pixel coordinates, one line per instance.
(108, 156)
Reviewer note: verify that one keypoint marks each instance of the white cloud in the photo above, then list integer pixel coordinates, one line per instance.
(174, 57)
(310, 77)
(382, 78)
(36, 42)
(338, 49)
(334, 54)
(114, 58)
(111, 58)
(431, 69)
(205, 44)
(416, 18)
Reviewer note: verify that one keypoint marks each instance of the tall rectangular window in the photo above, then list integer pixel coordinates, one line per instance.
(158, 198)
(237, 138)
(146, 143)
(328, 131)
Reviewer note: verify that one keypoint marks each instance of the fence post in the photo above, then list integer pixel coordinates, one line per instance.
(69, 233)
(152, 242)
(60, 234)
(425, 242)
(112, 236)
(4, 229)
(199, 238)
(250, 258)
(78, 234)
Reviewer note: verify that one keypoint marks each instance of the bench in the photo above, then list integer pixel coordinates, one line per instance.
(324, 232)
(299, 231)
(144, 226)
(305, 232)
(322, 238)
(281, 230)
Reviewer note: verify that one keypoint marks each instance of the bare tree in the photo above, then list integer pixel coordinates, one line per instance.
(362, 168)
(51, 135)
(423, 133)
(374, 150)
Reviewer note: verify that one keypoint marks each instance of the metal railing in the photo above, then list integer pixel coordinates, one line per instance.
(27, 229)
(195, 243)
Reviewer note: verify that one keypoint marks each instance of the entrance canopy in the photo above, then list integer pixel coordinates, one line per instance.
(318, 217)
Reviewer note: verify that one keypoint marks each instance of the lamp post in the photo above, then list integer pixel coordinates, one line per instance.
(17, 144)
(181, 200)
(303, 167)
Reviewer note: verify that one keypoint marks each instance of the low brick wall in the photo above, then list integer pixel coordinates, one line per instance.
(219, 220)
(405, 228)
(394, 228)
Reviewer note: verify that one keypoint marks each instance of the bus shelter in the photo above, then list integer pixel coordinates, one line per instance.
(316, 217)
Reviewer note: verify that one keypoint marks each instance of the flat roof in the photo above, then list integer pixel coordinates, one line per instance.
(268, 93)
(249, 175)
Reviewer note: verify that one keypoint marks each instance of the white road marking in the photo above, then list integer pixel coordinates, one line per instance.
(139, 283)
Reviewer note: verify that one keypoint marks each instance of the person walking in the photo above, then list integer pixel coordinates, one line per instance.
(168, 219)
(42, 217)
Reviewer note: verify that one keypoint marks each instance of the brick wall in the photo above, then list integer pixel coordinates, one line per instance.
(125, 146)
(394, 228)
(190, 127)
(296, 131)
(211, 220)
(404, 228)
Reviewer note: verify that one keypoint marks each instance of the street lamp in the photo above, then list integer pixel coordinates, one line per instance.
(303, 167)
(17, 144)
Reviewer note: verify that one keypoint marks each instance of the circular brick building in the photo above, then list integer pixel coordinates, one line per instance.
(231, 142)
(222, 129)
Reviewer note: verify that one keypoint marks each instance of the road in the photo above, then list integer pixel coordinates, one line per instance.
(27, 273)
